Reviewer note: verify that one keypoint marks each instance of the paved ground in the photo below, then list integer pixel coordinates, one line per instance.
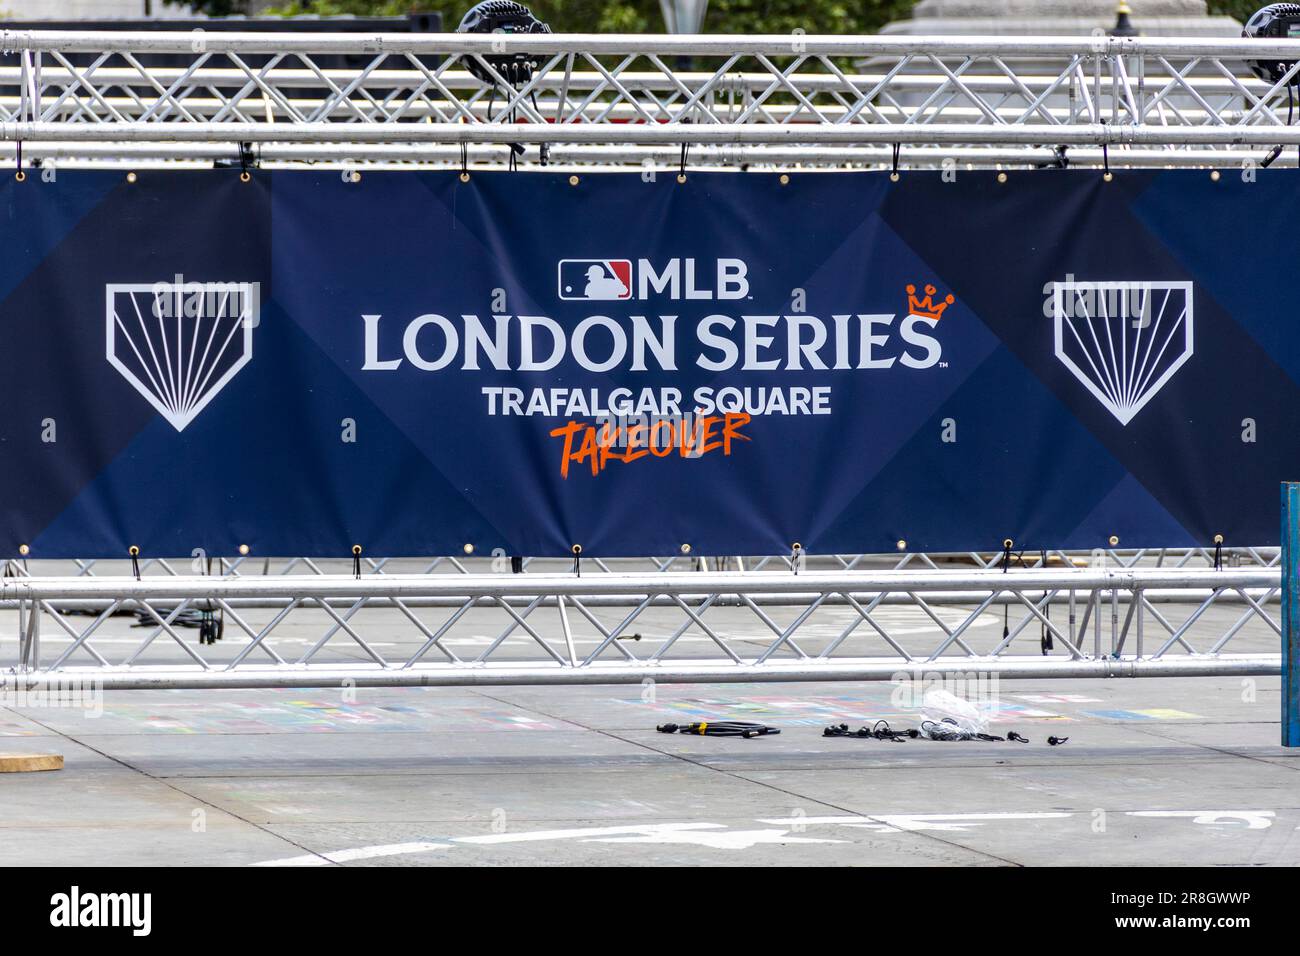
(1172, 771)
(1183, 771)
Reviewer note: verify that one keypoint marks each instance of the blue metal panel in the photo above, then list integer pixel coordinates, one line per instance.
(1290, 614)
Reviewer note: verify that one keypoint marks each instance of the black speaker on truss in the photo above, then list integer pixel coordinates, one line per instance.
(502, 16)
(1277, 21)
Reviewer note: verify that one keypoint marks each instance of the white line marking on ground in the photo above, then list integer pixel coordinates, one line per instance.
(911, 822)
(1254, 819)
(586, 832)
(358, 853)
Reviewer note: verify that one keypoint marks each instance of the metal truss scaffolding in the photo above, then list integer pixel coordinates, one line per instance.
(611, 100)
(308, 631)
(607, 102)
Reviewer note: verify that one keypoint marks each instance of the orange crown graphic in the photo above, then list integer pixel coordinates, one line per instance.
(927, 308)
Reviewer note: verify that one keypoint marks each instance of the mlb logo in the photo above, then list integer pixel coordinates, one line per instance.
(595, 280)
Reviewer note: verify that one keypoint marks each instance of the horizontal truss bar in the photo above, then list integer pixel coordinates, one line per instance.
(692, 583)
(397, 156)
(714, 133)
(598, 44)
(720, 599)
(706, 672)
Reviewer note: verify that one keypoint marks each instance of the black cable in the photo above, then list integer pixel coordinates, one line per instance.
(720, 728)
(1290, 109)
(1276, 151)
(880, 730)
(1105, 156)
(948, 729)
(1045, 642)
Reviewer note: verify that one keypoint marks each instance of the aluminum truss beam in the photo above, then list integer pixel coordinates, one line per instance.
(1114, 626)
(615, 100)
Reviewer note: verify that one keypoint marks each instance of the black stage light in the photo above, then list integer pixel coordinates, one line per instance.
(1277, 21)
(508, 17)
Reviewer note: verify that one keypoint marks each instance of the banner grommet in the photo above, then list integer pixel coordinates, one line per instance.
(243, 549)
(573, 180)
(1215, 175)
(1114, 540)
(20, 176)
(1002, 178)
(131, 177)
(469, 548)
(24, 550)
(785, 179)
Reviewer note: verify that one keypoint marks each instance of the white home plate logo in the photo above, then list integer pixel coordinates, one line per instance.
(179, 343)
(1123, 340)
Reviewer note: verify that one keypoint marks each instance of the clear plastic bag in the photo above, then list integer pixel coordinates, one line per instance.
(940, 707)
(944, 730)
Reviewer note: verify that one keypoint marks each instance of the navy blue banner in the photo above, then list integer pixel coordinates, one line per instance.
(521, 364)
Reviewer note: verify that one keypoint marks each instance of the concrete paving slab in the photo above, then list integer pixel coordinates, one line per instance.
(1173, 771)
(1075, 784)
(14, 724)
(675, 791)
(362, 753)
(1256, 740)
(140, 843)
(299, 712)
(670, 842)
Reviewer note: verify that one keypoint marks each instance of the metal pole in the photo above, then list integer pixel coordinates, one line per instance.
(554, 673)
(1291, 614)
